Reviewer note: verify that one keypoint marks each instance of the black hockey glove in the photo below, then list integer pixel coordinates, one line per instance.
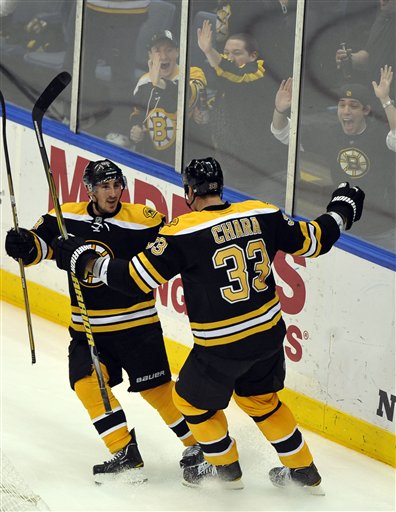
(20, 244)
(72, 254)
(348, 202)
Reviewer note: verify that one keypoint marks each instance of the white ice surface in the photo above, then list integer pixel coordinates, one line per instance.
(49, 438)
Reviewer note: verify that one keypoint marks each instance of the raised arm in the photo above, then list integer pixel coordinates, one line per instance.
(381, 90)
(204, 35)
(280, 125)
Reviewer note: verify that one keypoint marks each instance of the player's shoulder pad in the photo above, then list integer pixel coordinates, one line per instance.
(74, 208)
(140, 214)
(179, 223)
(255, 204)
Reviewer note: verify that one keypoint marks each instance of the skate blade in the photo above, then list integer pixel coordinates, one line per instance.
(234, 485)
(191, 485)
(315, 490)
(130, 477)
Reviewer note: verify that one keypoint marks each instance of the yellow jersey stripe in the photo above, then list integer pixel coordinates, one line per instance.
(151, 270)
(108, 312)
(307, 241)
(116, 327)
(242, 326)
(236, 319)
(318, 239)
(239, 336)
(136, 277)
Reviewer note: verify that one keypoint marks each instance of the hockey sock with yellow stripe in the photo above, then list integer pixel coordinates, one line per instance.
(160, 398)
(210, 429)
(277, 423)
(112, 428)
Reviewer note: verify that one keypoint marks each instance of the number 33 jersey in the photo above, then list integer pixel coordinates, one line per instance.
(224, 255)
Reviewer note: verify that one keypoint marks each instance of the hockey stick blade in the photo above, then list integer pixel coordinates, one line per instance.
(48, 96)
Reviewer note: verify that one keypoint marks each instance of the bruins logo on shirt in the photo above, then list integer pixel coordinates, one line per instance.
(149, 212)
(354, 162)
(162, 128)
(104, 251)
(173, 222)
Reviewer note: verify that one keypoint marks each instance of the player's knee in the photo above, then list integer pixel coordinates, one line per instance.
(258, 406)
(87, 389)
(159, 396)
(192, 414)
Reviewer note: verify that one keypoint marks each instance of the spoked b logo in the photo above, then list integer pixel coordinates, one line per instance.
(102, 250)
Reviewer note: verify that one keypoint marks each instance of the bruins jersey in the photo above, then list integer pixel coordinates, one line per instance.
(156, 110)
(121, 235)
(249, 72)
(224, 255)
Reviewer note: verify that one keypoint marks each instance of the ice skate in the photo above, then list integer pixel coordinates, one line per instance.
(229, 476)
(307, 477)
(191, 456)
(125, 467)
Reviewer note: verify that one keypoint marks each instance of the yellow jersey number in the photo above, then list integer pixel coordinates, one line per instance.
(235, 258)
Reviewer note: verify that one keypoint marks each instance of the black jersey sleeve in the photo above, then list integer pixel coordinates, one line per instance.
(157, 264)
(44, 231)
(308, 239)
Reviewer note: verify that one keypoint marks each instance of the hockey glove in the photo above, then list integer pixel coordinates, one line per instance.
(20, 245)
(72, 254)
(348, 202)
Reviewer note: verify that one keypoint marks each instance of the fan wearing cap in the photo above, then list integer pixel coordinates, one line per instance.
(126, 330)
(353, 146)
(154, 110)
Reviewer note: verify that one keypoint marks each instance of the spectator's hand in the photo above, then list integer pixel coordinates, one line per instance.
(137, 133)
(205, 36)
(154, 65)
(342, 55)
(73, 254)
(347, 202)
(283, 97)
(382, 89)
(201, 117)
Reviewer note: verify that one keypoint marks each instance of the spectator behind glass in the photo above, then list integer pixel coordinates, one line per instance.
(380, 48)
(242, 116)
(111, 28)
(327, 25)
(154, 114)
(356, 147)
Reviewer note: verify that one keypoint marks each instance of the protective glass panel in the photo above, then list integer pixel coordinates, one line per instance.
(241, 53)
(345, 132)
(36, 41)
(129, 81)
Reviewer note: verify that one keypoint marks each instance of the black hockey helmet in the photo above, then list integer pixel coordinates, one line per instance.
(204, 176)
(100, 172)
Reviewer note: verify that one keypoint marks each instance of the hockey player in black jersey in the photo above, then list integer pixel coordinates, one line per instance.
(126, 329)
(224, 253)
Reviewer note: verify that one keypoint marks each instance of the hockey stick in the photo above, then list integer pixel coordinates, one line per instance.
(58, 84)
(16, 226)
